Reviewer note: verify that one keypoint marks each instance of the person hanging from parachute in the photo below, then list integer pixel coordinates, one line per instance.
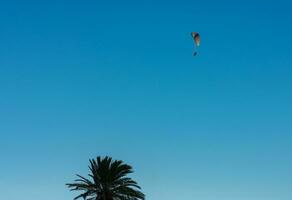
(197, 40)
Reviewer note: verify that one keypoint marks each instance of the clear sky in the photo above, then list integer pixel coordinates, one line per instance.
(85, 78)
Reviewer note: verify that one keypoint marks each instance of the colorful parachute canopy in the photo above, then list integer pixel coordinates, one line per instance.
(196, 38)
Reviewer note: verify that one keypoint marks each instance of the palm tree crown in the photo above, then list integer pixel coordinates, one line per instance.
(108, 181)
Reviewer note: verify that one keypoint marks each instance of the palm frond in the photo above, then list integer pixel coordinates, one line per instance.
(108, 181)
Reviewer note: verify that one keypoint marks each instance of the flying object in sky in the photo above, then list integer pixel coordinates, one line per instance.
(197, 40)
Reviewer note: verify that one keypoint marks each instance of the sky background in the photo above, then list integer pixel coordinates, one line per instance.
(85, 78)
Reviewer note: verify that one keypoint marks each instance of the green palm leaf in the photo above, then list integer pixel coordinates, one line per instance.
(107, 181)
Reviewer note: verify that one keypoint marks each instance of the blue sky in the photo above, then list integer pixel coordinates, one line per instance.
(85, 78)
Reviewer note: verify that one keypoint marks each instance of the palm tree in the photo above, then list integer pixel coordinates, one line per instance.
(108, 181)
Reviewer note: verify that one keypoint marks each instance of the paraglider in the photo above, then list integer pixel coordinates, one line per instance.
(197, 40)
